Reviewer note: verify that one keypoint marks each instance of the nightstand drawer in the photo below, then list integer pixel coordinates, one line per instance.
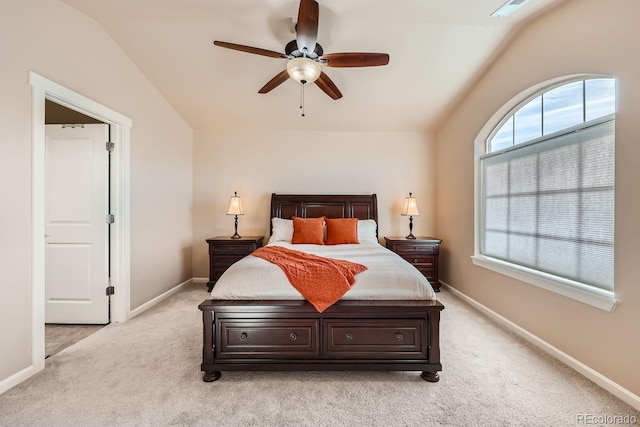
(416, 248)
(233, 249)
(421, 260)
(226, 260)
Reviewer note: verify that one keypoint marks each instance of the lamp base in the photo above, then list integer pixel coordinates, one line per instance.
(410, 236)
(235, 226)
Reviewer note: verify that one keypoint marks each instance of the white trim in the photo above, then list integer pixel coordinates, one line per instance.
(599, 298)
(38, 227)
(17, 378)
(42, 89)
(612, 387)
(200, 280)
(147, 305)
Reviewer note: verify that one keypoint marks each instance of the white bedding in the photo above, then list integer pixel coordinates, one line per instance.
(388, 276)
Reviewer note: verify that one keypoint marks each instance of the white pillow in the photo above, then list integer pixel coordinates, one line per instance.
(367, 231)
(281, 230)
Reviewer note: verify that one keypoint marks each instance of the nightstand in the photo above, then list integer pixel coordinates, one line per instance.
(421, 252)
(224, 251)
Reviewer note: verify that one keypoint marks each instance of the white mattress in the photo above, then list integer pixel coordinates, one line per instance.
(388, 275)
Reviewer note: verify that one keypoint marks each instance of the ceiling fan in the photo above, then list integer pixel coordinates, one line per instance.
(305, 55)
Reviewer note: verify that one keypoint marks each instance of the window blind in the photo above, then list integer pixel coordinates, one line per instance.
(550, 205)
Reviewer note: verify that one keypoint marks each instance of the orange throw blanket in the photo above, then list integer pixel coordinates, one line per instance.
(322, 281)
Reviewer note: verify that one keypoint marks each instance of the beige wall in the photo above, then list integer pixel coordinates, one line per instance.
(581, 36)
(34, 35)
(257, 164)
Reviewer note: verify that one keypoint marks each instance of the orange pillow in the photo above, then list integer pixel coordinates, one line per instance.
(308, 230)
(341, 231)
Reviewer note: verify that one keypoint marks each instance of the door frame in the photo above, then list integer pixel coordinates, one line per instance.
(43, 88)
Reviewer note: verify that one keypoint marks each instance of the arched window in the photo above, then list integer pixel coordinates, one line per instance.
(556, 109)
(547, 187)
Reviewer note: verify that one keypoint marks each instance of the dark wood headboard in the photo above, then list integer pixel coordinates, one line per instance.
(361, 206)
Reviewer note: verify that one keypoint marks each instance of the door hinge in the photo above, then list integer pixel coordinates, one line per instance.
(111, 219)
(111, 290)
(110, 146)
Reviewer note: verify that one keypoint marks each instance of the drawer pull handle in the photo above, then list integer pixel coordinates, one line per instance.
(415, 260)
(399, 336)
(243, 336)
(349, 336)
(293, 336)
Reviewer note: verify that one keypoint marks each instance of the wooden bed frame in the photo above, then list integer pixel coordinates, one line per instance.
(290, 335)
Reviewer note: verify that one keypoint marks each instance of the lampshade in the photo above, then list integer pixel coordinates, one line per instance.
(304, 70)
(410, 207)
(235, 205)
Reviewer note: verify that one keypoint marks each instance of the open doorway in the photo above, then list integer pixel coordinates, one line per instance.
(44, 90)
(77, 227)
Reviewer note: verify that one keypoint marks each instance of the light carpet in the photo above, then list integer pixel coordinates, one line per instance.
(146, 372)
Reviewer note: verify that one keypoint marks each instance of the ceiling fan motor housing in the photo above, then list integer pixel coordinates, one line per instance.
(291, 49)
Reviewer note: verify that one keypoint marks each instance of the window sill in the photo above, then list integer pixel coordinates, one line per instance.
(604, 300)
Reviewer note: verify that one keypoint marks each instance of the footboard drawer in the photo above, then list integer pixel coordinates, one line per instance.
(384, 338)
(289, 338)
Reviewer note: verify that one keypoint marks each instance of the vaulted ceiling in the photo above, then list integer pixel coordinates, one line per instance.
(436, 48)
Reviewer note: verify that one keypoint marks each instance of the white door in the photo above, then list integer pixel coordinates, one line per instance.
(76, 232)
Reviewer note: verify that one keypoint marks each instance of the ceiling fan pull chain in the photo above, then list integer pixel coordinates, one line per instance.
(302, 98)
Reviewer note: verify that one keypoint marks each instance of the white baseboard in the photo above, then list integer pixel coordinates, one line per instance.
(604, 382)
(200, 280)
(147, 305)
(17, 378)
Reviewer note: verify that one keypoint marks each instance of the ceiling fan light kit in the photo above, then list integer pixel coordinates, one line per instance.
(304, 70)
(306, 57)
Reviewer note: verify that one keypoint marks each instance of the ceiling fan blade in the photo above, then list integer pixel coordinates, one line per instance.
(280, 78)
(249, 49)
(328, 87)
(355, 59)
(307, 26)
